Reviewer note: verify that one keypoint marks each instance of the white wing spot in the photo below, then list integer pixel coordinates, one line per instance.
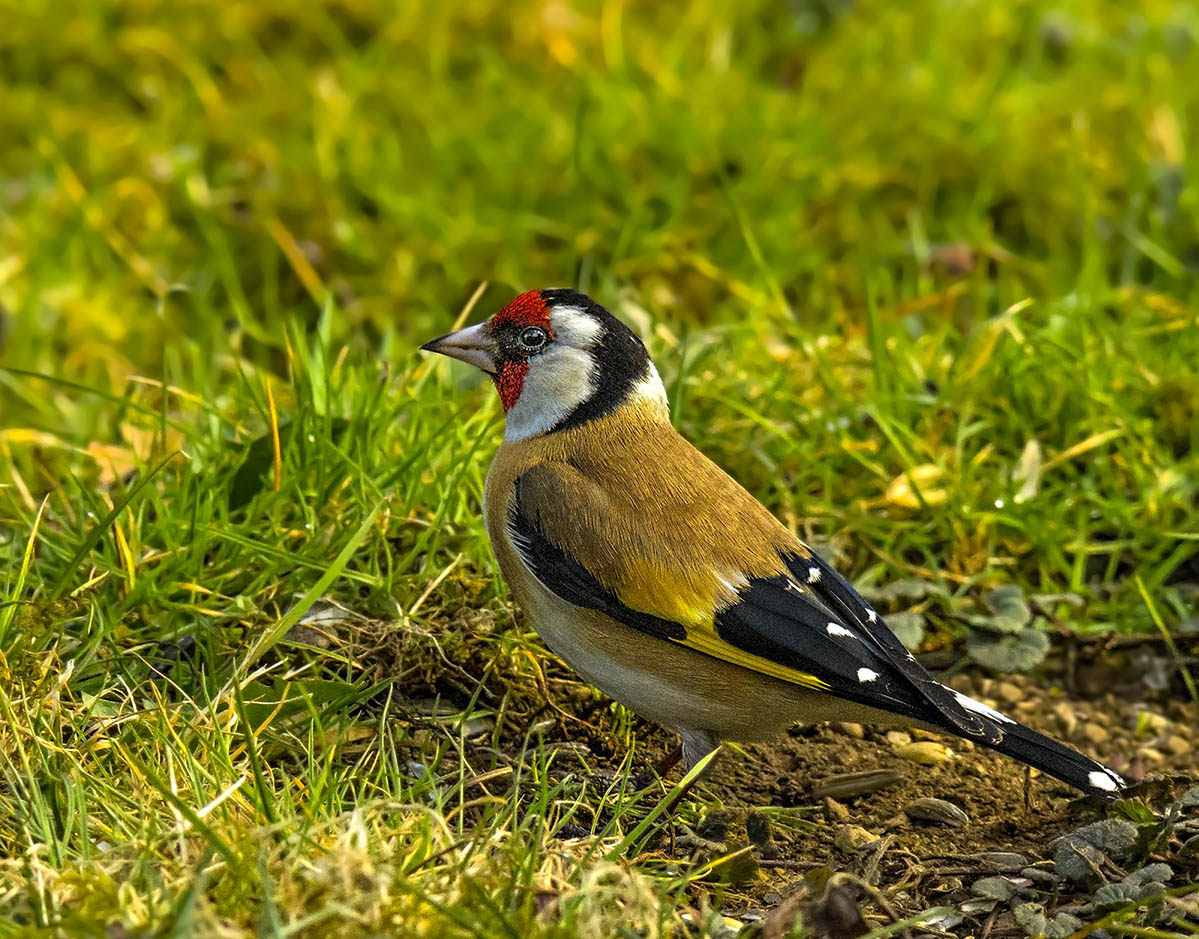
(866, 674)
(813, 575)
(836, 629)
(979, 708)
(871, 615)
(1102, 779)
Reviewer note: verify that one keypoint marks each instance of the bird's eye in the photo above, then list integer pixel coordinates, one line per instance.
(533, 338)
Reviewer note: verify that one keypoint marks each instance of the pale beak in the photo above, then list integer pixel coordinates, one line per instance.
(471, 345)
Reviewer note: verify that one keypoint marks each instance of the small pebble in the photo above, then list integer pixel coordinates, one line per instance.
(925, 753)
(1095, 734)
(1008, 692)
(1038, 876)
(994, 888)
(898, 738)
(1066, 719)
(850, 729)
(834, 811)
(1178, 745)
(977, 906)
(473, 726)
(1150, 755)
(1149, 723)
(844, 785)
(1005, 862)
(852, 838)
(960, 682)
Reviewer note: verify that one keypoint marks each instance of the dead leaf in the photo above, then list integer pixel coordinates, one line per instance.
(1028, 472)
(915, 488)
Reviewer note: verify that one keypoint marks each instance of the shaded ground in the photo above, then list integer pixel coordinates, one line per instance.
(922, 863)
(794, 812)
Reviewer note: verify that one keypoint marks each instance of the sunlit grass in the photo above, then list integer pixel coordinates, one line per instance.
(867, 244)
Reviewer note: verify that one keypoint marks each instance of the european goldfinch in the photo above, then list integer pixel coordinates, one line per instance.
(664, 583)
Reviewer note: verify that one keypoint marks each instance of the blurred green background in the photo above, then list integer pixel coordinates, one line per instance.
(923, 276)
(194, 173)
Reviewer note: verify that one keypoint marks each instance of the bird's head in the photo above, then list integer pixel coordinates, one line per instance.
(558, 359)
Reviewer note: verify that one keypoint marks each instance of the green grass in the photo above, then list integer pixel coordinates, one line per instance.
(861, 240)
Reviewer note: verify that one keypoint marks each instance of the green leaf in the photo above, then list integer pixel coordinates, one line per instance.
(1012, 652)
(905, 588)
(908, 625)
(1010, 612)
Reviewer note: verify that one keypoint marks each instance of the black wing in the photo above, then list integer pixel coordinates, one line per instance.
(815, 622)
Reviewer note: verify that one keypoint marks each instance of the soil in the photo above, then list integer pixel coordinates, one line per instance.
(915, 864)
(765, 802)
(1008, 809)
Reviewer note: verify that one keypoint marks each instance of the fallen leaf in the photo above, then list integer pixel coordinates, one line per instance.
(1028, 472)
(915, 488)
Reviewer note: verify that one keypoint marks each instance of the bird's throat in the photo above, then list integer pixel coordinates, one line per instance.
(510, 382)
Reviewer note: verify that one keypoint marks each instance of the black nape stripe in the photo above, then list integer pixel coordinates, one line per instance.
(570, 580)
(620, 358)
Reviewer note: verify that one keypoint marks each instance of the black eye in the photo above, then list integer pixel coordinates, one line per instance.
(533, 338)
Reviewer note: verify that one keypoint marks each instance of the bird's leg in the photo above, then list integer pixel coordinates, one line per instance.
(647, 776)
(696, 744)
(693, 746)
(669, 761)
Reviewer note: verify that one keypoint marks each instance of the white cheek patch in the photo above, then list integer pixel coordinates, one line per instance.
(559, 379)
(572, 327)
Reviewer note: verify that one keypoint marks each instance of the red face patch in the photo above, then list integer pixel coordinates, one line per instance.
(510, 381)
(529, 309)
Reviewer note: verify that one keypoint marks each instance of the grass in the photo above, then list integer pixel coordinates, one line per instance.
(239, 514)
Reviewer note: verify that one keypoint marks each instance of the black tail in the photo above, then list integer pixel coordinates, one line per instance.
(1058, 760)
(1043, 753)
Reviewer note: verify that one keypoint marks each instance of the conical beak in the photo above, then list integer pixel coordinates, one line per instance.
(471, 345)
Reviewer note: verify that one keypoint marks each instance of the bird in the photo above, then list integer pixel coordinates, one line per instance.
(663, 582)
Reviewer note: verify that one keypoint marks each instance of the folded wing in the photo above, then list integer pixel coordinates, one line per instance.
(796, 619)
